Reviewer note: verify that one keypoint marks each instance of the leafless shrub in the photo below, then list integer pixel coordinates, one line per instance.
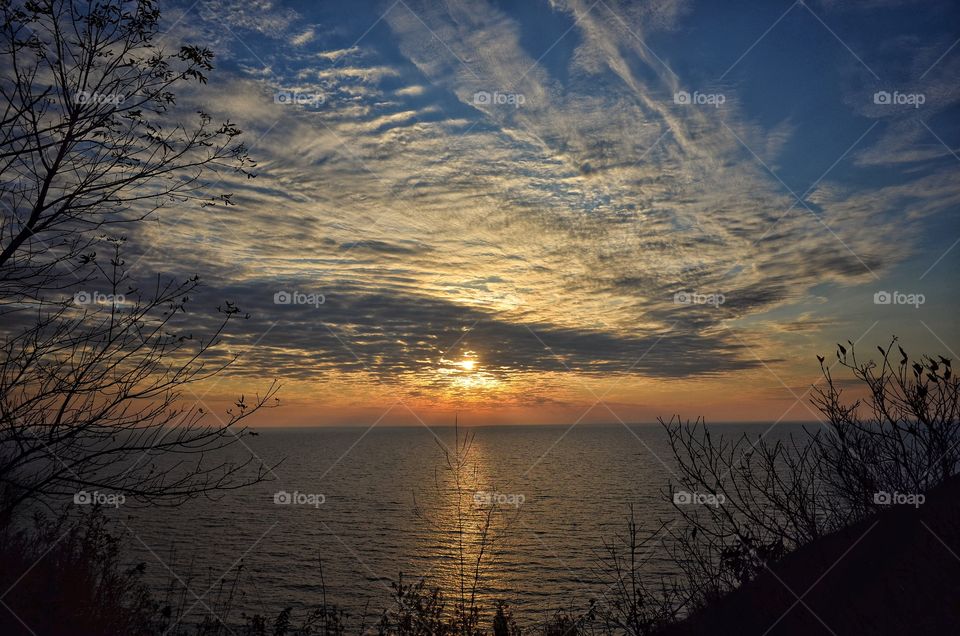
(756, 500)
(633, 604)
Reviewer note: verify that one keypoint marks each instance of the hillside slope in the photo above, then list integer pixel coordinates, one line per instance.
(896, 573)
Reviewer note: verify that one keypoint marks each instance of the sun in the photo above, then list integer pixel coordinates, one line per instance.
(468, 365)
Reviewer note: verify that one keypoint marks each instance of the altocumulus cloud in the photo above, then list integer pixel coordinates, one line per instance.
(577, 215)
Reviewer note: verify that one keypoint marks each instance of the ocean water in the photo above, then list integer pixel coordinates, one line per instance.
(372, 504)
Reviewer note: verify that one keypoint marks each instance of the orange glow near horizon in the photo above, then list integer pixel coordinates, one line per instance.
(480, 395)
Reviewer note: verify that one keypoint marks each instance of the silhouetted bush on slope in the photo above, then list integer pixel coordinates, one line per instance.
(897, 572)
(62, 576)
(771, 498)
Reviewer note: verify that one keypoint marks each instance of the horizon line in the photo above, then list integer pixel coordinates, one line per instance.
(527, 425)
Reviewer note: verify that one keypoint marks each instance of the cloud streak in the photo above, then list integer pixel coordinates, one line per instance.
(576, 216)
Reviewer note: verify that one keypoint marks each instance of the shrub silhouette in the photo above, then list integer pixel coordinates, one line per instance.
(64, 575)
(902, 437)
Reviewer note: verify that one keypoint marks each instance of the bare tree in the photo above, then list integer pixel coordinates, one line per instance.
(92, 140)
(88, 137)
(760, 499)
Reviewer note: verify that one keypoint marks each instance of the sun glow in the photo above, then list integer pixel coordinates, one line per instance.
(468, 374)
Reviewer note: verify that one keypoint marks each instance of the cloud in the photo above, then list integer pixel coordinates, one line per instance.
(395, 332)
(303, 38)
(576, 215)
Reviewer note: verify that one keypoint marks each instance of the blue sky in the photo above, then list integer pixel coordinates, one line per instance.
(545, 233)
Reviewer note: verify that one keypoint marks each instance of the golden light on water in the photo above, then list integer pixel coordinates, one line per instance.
(461, 526)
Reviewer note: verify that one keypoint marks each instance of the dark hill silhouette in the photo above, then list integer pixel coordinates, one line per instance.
(895, 573)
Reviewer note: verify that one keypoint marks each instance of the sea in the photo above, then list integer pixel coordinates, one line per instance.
(526, 515)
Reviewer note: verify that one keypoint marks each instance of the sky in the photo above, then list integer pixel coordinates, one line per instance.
(570, 212)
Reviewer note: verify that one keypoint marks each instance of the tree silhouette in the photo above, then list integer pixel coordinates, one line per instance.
(93, 140)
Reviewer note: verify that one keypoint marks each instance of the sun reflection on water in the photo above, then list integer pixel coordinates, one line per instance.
(465, 522)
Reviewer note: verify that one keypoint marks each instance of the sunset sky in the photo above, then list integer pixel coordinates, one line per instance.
(499, 203)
